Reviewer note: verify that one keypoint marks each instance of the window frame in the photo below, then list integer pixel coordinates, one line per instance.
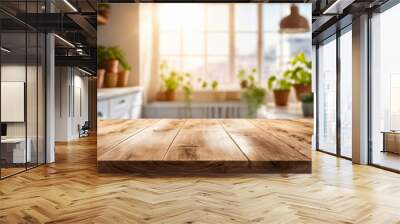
(232, 53)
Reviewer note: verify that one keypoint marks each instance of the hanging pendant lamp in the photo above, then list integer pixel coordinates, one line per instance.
(294, 23)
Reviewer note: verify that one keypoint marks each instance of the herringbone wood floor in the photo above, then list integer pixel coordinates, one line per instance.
(71, 191)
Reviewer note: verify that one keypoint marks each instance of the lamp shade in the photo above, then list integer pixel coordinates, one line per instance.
(294, 23)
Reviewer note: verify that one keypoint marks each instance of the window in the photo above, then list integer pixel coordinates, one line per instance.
(22, 75)
(217, 39)
(385, 88)
(194, 38)
(214, 41)
(280, 48)
(346, 94)
(246, 36)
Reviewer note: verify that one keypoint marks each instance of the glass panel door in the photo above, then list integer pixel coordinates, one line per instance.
(327, 97)
(22, 101)
(14, 153)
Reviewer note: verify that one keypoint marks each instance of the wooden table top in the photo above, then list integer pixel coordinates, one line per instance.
(204, 140)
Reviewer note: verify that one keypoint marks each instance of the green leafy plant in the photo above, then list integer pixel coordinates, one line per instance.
(214, 85)
(174, 80)
(246, 79)
(275, 83)
(111, 53)
(307, 98)
(252, 94)
(101, 56)
(300, 70)
(187, 88)
(171, 81)
(204, 84)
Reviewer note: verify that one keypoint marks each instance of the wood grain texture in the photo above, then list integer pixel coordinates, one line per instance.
(198, 146)
(114, 132)
(293, 134)
(259, 145)
(150, 144)
(71, 191)
(204, 140)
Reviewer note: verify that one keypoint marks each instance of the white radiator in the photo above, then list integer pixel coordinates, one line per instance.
(229, 109)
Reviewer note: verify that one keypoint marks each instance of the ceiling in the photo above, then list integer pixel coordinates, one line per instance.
(331, 15)
(79, 27)
(72, 20)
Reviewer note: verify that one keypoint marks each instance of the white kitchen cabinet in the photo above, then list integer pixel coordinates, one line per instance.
(120, 103)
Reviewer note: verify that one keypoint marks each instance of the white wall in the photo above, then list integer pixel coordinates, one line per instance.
(61, 103)
(80, 103)
(122, 30)
(70, 84)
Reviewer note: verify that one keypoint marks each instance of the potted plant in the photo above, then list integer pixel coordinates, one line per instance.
(252, 94)
(108, 61)
(171, 82)
(300, 75)
(123, 74)
(281, 89)
(109, 58)
(307, 104)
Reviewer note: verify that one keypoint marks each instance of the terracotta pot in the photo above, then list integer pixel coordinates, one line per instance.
(169, 95)
(123, 77)
(111, 80)
(160, 96)
(281, 97)
(100, 78)
(104, 13)
(111, 66)
(301, 89)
